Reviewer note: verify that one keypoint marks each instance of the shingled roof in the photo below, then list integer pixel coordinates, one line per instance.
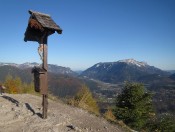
(46, 21)
(40, 24)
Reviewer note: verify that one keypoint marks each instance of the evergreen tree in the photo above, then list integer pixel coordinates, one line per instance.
(134, 106)
(163, 123)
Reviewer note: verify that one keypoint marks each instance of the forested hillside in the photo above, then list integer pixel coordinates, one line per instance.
(61, 85)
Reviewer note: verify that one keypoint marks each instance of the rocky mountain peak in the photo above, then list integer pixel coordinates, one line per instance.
(134, 62)
(122, 70)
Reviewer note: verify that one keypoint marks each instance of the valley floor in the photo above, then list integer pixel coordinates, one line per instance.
(22, 113)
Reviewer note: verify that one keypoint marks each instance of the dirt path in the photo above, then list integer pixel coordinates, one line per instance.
(22, 113)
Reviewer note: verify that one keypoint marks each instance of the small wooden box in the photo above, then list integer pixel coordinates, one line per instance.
(40, 80)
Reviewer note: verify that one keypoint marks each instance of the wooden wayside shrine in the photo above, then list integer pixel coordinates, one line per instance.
(40, 26)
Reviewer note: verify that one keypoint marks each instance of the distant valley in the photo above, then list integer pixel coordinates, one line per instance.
(115, 74)
(105, 80)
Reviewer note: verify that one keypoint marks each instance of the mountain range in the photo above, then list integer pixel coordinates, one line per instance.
(172, 76)
(52, 68)
(123, 70)
(110, 72)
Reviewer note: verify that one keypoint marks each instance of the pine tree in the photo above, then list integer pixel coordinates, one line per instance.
(134, 106)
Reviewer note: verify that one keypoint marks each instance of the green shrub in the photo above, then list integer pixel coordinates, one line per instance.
(163, 123)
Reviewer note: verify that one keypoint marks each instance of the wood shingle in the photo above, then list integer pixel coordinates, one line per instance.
(40, 24)
(46, 21)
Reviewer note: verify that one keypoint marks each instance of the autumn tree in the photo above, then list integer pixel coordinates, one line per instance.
(28, 88)
(18, 83)
(109, 115)
(85, 100)
(13, 85)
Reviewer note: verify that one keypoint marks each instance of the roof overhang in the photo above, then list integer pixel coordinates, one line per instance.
(40, 25)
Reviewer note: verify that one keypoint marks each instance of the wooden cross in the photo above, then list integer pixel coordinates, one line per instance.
(40, 26)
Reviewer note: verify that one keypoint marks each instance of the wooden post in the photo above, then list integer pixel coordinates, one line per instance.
(40, 26)
(45, 106)
(44, 89)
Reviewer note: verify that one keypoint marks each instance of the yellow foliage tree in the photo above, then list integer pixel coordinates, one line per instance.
(28, 88)
(13, 85)
(109, 115)
(85, 100)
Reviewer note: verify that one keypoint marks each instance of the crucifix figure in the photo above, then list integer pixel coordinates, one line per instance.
(41, 51)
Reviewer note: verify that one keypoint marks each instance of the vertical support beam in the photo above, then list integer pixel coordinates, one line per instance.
(44, 92)
(45, 106)
(44, 89)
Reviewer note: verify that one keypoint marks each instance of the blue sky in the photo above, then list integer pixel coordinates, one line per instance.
(93, 31)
